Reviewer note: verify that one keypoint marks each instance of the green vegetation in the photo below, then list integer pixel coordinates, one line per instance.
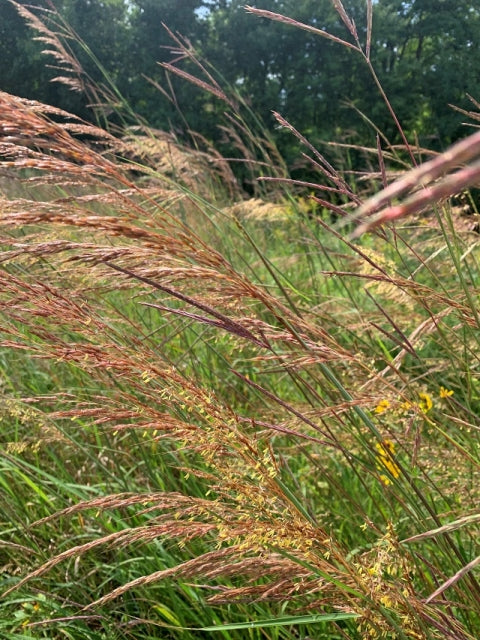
(231, 417)
(425, 53)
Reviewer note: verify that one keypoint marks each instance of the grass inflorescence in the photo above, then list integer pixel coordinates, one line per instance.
(232, 414)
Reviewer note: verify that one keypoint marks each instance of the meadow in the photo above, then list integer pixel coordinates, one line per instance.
(229, 416)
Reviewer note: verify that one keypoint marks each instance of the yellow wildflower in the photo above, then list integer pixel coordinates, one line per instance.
(385, 448)
(445, 393)
(425, 403)
(387, 601)
(382, 406)
(385, 453)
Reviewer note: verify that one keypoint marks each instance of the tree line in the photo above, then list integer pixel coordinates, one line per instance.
(426, 54)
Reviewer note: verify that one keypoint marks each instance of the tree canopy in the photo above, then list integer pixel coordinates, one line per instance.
(424, 52)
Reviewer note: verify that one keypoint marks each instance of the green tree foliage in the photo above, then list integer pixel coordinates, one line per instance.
(425, 52)
(428, 53)
(102, 29)
(23, 67)
(150, 44)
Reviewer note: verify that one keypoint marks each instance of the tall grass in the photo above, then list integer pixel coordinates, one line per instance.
(231, 415)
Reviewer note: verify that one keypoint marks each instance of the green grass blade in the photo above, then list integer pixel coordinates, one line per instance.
(283, 622)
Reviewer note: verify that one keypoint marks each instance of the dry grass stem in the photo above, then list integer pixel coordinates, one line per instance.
(420, 178)
(262, 13)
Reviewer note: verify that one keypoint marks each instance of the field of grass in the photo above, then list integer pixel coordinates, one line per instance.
(228, 412)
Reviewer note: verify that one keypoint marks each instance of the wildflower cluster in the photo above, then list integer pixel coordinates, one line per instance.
(385, 449)
(445, 393)
(382, 406)
(424, 403)
(386, 461)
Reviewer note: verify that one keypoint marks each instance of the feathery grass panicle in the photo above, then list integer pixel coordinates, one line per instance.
(209, 404)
